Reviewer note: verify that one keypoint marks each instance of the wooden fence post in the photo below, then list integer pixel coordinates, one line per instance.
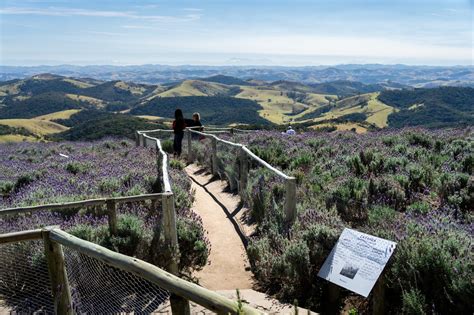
(58, 275)
(112, 213)
(178, 304)
(244, 170)
(137, 139)
(141, 139)
(190, 157)
(214, 156)
(378, 298)
(290, 199)
(231, 131)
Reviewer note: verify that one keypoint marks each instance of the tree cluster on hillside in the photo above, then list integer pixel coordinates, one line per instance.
(8, 130)
(439, 107)
(214, 110)
(38, 105)
(93, 124)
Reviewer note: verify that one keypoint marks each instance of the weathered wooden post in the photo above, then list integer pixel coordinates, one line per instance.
(244, 171)
(159, 169)
(112, 214)
(178, 304)
(190, 157)
(137, 139)
(144, 141)
(378, 298)
(331, 296)
(290, 199)
(214, 156)
(141, 139)
(231, 131)
(58, 275)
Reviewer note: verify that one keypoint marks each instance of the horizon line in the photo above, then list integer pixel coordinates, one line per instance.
(240, 65)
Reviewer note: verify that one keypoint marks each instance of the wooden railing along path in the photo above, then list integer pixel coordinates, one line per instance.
(182, 291)
(244, 156)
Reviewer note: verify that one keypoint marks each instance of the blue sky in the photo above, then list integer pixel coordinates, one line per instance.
(293, 33)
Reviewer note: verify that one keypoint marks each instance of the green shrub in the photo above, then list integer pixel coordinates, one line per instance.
(413, 302)
(177, 164)
(6, 187)
(77, 168)
(381, 214)
(167, 146)
(193, 248)
(436, 262)
(419, 207)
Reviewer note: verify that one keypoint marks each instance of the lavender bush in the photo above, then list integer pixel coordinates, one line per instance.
(32, 174)
(412, 186)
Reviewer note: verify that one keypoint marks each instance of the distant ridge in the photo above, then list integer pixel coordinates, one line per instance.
(225, 79)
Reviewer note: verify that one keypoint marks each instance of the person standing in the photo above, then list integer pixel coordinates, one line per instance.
(178, 129)
(197, 125)
(290, 131)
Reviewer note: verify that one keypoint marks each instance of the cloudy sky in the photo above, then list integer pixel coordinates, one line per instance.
(223, 32)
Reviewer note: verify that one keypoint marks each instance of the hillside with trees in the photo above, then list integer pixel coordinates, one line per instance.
(439, 107)
(214, 110)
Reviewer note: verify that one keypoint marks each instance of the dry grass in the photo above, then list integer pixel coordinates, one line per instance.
(35, 126)
(150, 117)
(376, 111)
(276, 105)
(65, 114)
(196, 88)
(342, 127)
(80, 84)
(137, 90)
(87, 99)
(17, 138)
(11, 89)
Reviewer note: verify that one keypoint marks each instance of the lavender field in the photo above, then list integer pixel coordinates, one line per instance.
(42, 173)
(413, 186)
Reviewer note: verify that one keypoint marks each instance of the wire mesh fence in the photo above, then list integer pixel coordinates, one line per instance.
(98, 288)
(25, 286)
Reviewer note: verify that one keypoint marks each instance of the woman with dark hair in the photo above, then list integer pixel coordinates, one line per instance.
(178, 129)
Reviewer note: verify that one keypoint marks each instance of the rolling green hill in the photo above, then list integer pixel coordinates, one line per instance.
(224, 100)
(437, 107)
(93, 124)
(214, 110)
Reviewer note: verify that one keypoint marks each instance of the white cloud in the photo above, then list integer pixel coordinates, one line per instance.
(57, 11)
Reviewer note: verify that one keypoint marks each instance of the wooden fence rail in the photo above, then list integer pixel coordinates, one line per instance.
(54, 239)
(244, 155)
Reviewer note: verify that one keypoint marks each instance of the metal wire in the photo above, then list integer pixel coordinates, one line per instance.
(25, 287)
(98, 288)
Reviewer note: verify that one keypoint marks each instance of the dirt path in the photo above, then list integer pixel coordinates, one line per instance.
(228, 268)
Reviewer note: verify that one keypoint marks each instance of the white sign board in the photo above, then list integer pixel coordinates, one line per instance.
(357, 260)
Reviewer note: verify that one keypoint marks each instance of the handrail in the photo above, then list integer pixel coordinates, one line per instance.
(29, 235)
(76, 204)
(264, 163)
(248, 152)
(176, 285)
(164, 166)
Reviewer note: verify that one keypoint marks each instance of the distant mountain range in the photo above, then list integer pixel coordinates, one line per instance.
(415, 76)
(85, 108)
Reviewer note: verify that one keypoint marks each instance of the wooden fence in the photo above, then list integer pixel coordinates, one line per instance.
(183, 291)
(55, 239)
(244, 156)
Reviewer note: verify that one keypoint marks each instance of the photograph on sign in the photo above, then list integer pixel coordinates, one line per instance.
(356, 261)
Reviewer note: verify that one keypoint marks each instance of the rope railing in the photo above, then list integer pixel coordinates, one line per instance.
(145, 287)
